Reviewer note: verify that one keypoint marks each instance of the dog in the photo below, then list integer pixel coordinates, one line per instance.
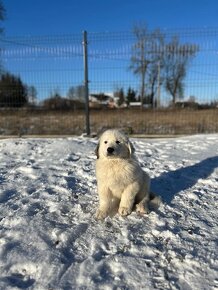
(120, 178)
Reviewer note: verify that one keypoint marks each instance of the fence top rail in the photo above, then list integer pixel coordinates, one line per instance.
(189, 31)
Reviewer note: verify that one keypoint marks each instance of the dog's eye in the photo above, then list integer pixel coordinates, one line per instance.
(105, 142)
(118, 142)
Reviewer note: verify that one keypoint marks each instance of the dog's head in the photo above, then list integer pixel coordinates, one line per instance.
(114, 144)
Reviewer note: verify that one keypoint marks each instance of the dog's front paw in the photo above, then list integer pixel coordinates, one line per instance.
(124, 211)
(100, 214)
(142, 209)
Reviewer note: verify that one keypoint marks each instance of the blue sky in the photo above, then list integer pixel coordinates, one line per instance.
(36, 17)
(66, 17)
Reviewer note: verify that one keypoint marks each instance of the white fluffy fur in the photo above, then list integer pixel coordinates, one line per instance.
(119, 176)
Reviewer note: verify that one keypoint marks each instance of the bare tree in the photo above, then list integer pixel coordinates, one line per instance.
(157, 62)
(176, 60)
(145, 52)
(77, 93)
(31, 94)
(155, 80)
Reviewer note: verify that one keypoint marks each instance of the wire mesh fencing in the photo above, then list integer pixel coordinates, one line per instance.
(144, 81)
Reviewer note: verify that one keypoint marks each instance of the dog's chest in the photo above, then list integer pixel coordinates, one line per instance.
(116, 175)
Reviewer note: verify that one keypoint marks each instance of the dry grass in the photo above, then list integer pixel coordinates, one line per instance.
(161, 122)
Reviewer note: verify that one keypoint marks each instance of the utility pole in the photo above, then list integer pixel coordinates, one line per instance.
(86, 81)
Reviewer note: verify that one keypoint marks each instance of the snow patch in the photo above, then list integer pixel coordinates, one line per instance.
(49, 238)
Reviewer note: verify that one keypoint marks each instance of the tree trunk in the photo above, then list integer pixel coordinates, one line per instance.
(143, 89)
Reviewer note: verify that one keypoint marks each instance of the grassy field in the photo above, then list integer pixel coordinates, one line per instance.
(135, 121)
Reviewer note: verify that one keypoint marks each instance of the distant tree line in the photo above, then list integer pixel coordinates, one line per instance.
(15, 94)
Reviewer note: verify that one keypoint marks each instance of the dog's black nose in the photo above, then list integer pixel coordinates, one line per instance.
(110, 150)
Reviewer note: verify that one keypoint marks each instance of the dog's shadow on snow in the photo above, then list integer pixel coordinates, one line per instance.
(171, 183)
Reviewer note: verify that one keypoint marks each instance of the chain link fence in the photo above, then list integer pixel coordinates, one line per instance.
(145, 81)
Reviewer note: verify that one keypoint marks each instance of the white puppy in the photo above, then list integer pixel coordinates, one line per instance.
(119, 176)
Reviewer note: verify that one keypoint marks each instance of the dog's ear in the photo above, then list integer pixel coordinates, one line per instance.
(131, 148)
(96, 151)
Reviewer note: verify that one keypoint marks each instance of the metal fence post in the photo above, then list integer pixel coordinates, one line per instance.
(86, 81)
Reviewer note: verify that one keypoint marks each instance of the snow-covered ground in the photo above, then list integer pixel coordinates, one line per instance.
(49, 238)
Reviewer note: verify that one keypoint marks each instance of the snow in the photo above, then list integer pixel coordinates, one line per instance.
(49, 238)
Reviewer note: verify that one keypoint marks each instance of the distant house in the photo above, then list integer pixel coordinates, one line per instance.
(186, 104)
(135, 104)
(101, 100)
